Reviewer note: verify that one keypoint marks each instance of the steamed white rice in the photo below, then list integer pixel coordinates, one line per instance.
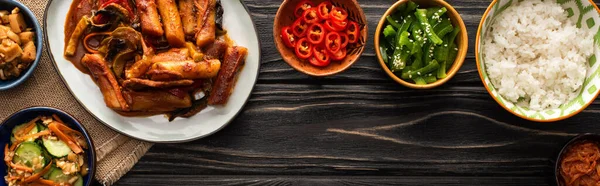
(536, 56)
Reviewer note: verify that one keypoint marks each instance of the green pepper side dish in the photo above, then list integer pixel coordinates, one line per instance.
(419, 44)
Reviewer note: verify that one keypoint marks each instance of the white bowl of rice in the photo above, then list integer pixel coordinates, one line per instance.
(537, 58)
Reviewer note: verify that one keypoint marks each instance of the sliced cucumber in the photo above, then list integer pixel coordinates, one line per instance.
(57, 175)
(79, 181)
(56, 148)
(19, 127)
(27, 152)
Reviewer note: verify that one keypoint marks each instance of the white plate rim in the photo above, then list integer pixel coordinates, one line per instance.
(54, 63)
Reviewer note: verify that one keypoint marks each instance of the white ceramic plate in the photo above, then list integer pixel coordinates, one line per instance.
(240, 27)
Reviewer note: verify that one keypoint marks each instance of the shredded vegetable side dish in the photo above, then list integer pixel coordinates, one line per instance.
(45, 151)
(579, 165)
(152, 57)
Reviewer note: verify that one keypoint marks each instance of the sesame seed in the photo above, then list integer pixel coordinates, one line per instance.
(418, 73)
(397, 48)
(445, 45)
(456, 49)
(396, 21)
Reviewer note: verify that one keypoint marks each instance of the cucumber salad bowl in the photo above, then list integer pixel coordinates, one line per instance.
(45, 146)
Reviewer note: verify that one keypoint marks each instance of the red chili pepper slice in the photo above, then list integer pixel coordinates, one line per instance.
(320, 57)
(299, 27)
(316, 34)
(330, 26)
(339, 55)
(344, 39)
(288, 37)
(324, 10)
(311, 16)
(333, 42)
(352, 32)
(339, 24)
(339, 14)
(301, 7)
(304, 49)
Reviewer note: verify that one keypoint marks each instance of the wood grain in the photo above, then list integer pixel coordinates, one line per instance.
(361, 128)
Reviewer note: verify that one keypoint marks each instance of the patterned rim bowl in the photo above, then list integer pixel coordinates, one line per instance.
(586, 14)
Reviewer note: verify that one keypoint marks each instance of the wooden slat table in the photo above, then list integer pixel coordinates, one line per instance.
(362, 128)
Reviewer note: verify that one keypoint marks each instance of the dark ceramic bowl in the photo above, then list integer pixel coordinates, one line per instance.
(25, 115)
(575, 140)
(32, 22)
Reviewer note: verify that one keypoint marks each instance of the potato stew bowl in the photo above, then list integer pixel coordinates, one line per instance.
(585, 14)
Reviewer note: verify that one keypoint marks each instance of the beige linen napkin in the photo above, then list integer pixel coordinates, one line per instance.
(116, 153)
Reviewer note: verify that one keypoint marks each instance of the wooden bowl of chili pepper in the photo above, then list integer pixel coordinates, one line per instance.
(320, 37)
(421, 44)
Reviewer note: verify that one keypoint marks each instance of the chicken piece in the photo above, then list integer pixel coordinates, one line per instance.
(216, 50)
(138, 84)
(235, 57)
(206, 22)
(4, 16)
(11, 35)
(171, 22)
(17, 23)
(173, 70)
(29, 53)
(156, 101)
(149, 17)
(10, 50)
(4, 32)
(106, 81)
(186, 11)
(26, 37)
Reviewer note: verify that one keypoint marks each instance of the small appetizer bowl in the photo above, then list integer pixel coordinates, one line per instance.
(577, 139)
(32, 22)
(462, 42)
(590, 88)
(285, 17)
(26, 115)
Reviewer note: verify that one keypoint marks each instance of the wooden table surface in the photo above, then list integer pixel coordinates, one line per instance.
(362, 128)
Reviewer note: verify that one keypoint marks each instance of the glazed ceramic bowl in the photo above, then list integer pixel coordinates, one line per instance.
(285, 17)
(587, 15)
(462, 41)
(577, 139)
(32, 22)
(26, 115)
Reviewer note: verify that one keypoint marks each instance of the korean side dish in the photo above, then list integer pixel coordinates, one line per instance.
(153, 57)
(17, 48)
(536, 56)
(418, 44)
(45, 151)
(579, 165)
(320, 34)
